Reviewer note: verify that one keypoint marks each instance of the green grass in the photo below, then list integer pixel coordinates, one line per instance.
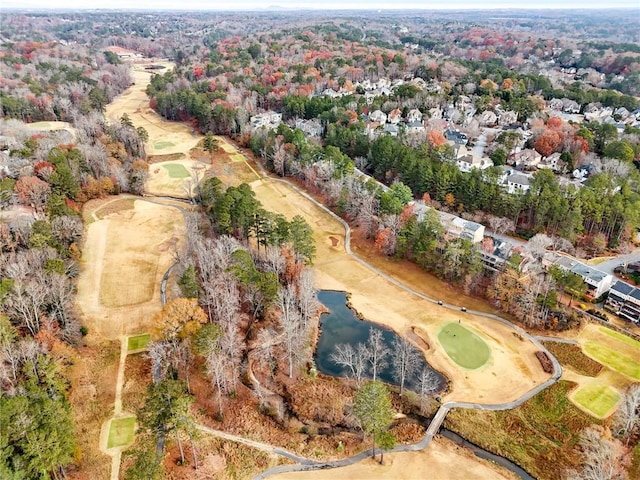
(613, 359)
(237, 157)
(121, 432)
(163, 144)
(137, 342)
(176, 170)
(463, 346)
(622, 337)
(597, 397)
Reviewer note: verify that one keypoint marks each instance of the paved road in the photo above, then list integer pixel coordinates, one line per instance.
(608, 265)
(545, 338)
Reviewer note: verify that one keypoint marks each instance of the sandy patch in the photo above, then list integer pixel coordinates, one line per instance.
(512, 369)
(125, 255)
(443, 460)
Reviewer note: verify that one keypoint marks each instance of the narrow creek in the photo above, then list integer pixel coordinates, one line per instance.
(342, 325)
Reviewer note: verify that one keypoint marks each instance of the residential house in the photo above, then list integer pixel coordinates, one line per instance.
(370, 129)
(391, 129)
(468, 162)
(488, 119)
(455, 227)
(624, 301)
(435, 113)
(312, 128)
(584, 171)
(526, 159)
(455, 137)
(415, 127)
(598, 282)
(394, 116)
(378, 116)
(507, 118)
(518, 182)
(415, 115)
(268, 120)
(496, 258)
(551, 162)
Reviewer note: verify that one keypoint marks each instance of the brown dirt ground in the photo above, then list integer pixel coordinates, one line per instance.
(443, 460)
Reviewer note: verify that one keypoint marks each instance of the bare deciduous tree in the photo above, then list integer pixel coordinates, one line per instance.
(405, 359)
(603, 458)
(291, 325)
(377, 352)
(627, 418)
(427, 385)
(355, 359)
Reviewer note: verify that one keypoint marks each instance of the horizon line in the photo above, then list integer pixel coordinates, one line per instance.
(276, 8)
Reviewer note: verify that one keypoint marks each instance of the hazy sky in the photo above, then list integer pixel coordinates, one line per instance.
(324, 5)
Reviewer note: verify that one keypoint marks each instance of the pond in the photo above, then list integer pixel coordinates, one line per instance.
(342, 325)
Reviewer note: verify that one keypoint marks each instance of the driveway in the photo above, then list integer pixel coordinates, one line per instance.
(608, 265)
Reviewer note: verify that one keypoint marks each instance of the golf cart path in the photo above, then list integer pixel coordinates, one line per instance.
(441, 414)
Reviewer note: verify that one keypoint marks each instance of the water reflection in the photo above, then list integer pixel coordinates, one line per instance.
(341, 325)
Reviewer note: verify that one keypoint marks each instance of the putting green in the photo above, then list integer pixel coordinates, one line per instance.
(176, 170)
(138, 342)
(613, 359)
(463, 346)
(598, 398)
(121, 432)
(163, 144)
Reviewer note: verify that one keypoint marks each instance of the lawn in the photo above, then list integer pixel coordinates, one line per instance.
(121, 432)
(613, 359)
(619, 336)
(176, 170)
(163, 144)
(237, 157)
(138, 342)
(463, 346)
(598, 398)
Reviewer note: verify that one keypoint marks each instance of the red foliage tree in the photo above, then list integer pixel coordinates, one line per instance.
(435, 138)
(548, 142)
